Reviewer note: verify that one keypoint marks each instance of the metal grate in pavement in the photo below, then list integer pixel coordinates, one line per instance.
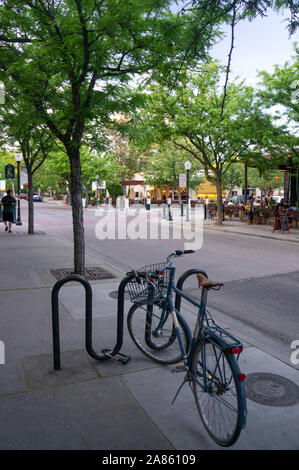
(91, 273)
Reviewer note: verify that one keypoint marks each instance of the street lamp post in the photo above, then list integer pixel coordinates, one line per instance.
(18, 158)
(187, 167)
(97, 199)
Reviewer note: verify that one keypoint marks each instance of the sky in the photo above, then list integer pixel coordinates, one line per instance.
(259, 45)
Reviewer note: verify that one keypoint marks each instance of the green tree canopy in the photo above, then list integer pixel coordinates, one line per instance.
(73, 58)
(191, 116)
(279, 92)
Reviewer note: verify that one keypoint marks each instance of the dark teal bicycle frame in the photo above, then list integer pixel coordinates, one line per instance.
(200, 332)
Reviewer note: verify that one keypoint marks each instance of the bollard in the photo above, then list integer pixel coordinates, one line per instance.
(164, 211)
(169, 212)
(122, 203)
(251, 214)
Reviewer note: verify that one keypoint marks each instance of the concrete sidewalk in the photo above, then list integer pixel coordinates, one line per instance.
(104, 405)
(243, 228)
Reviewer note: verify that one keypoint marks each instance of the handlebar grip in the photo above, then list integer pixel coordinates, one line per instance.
(183, 252)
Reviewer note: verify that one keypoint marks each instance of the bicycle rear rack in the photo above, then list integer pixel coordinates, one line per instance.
(106, 353)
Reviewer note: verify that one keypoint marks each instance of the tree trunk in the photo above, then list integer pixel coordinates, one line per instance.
(77, 211)
(86, 196)
(245, 183)
(30, 203)
(219, 200)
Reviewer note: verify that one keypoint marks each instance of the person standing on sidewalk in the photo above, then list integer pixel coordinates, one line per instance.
(8, 202)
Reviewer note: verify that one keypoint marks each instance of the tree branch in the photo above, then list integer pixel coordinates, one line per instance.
(233, 24)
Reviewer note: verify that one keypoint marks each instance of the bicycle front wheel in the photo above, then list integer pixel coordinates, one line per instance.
(219, 393)
(154, 334)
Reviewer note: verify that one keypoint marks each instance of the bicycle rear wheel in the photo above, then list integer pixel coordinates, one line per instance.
(219, 394)
(154, 334)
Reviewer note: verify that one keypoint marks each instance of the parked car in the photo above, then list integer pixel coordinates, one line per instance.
(23, 196)
(277, 199)
(37, 198)
(241, 198)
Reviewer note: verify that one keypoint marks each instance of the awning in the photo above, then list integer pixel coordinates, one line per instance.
(131, 182)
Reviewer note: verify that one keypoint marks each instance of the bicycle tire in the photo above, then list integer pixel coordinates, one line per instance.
(222, 394)
(161, 346)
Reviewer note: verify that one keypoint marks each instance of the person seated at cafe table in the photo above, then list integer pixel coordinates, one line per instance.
(265, 202)
(257, 202)
(272, 202)
(283, 205)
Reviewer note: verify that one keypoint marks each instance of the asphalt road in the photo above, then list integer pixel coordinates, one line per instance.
(262, 275)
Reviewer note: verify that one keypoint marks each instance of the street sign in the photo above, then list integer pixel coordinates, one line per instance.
(24, 175)
(182, 180)
(101, 185)
(9, 172)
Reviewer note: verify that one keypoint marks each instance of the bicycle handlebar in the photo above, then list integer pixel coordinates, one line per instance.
(173, 255)
(183, 252)
(139, 274)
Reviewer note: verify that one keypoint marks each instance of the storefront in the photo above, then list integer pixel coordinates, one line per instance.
(291, 182)
(208, 191)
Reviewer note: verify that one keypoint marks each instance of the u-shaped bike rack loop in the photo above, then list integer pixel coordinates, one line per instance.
(105, 353)
(88, 320)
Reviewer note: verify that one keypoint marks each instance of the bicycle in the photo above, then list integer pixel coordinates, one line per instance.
(210, 356)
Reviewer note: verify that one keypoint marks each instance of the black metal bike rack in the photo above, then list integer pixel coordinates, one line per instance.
(106, 353)
(180, 283)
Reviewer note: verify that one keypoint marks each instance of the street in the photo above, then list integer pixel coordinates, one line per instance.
(260, 298)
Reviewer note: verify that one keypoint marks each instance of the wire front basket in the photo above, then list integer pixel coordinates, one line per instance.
(150, 285)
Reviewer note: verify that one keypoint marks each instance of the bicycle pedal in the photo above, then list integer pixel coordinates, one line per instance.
(177, 369)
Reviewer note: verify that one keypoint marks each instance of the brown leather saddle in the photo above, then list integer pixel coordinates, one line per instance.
(208, 283)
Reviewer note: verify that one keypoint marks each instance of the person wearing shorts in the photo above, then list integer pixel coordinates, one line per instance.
(8, 202)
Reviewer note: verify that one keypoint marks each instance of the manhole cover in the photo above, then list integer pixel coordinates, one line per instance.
(271, 390)
(114, 295)
(91, 274)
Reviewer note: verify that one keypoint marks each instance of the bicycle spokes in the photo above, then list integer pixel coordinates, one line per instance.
(217, 392)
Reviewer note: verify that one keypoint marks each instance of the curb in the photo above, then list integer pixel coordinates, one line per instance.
(269, 237)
